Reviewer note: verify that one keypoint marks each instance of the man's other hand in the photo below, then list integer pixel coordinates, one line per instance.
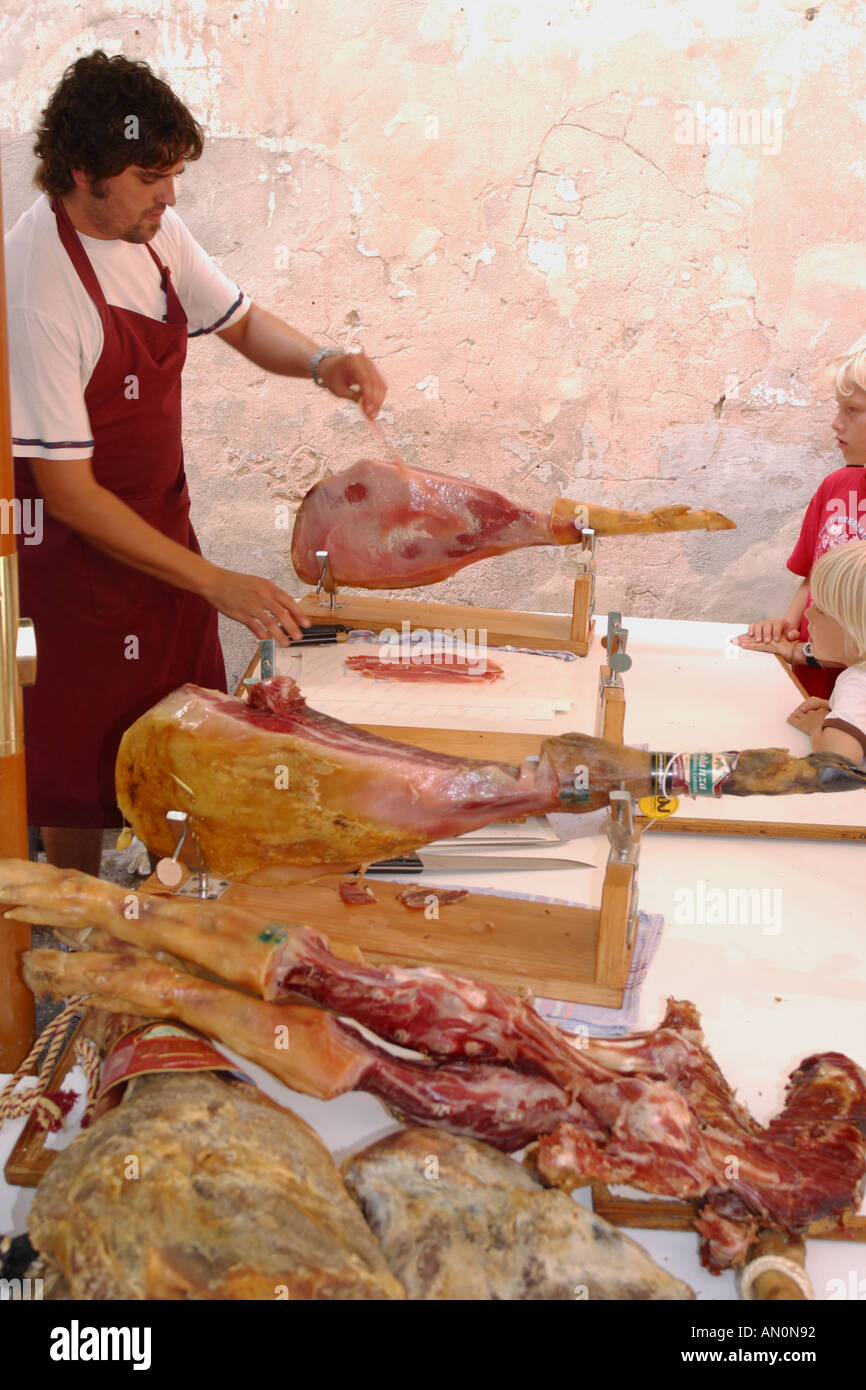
(257, 603)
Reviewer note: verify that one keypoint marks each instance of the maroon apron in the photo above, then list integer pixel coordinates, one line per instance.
(112, 641)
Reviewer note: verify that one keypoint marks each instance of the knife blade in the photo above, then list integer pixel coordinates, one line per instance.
(436, 862)
(435, 859)
(493, 842)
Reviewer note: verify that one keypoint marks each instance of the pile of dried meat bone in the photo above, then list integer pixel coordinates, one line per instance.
(650, 1110)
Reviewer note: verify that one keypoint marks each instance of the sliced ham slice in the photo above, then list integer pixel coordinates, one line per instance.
(417, 898)
(352, 892)
(444, 667)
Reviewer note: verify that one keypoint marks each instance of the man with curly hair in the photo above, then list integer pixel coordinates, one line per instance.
(105, 285)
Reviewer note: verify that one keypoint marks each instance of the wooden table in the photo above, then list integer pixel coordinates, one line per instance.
(770, 990)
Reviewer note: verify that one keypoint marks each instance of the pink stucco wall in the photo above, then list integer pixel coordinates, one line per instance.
(598, 250)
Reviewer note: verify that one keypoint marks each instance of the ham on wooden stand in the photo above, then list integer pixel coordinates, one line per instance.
(388, 526)
(269, 782)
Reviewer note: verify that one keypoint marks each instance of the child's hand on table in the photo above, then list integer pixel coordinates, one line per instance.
(809, 715)
(771, 630)
(777, 646)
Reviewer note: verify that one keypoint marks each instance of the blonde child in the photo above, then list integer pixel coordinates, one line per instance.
(835, 516)
(837, 622)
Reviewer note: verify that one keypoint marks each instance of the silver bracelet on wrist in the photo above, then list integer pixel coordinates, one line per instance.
(319, 357)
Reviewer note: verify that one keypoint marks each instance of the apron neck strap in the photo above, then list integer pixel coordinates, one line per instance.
(87, 275)
(77, 254)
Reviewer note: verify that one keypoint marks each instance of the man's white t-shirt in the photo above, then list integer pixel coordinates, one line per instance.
(55, 333)
(848, 705)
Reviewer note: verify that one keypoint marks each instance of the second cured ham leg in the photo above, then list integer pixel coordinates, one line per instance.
(673, 1126)
(387, 526)
(311, 1051)
(447, 1016)
(238, 1199)
(271, 783)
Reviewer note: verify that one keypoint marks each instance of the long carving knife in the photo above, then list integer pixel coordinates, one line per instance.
(436, 861)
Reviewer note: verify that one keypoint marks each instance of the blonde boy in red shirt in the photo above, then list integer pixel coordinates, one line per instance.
(835, 515)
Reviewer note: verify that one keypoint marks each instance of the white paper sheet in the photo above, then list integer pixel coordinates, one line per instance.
(329, 686)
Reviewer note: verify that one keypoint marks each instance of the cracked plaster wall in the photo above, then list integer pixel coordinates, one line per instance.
(527, 216)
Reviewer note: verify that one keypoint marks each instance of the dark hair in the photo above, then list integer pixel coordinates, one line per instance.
(86, 124)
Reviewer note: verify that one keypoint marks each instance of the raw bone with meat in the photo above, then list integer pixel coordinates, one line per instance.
(387, 526)
(652, 1110)
(270, 783)
(674, 1127)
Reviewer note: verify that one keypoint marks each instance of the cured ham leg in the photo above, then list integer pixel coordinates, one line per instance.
(270, 783)
(311, 1051)
(444, 1015)
(305, 1047)
(226, 941)
(485, 1228)
(237, 1199)
(816, 1144)
(387, 526)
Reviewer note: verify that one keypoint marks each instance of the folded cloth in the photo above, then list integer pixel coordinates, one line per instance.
(593, 1019)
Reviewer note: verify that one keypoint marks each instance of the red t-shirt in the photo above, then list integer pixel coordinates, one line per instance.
(836, 514)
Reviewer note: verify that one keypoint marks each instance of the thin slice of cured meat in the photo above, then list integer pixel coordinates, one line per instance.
(388, 526)
(418, 898)
(444, 668)
(353, 893)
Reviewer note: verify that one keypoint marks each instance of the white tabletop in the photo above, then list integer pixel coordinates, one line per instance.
(771, 990)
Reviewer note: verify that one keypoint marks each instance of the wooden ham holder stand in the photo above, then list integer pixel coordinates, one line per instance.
(580, 954)
(502, 626)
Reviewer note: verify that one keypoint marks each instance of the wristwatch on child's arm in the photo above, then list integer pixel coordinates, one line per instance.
(808, 654)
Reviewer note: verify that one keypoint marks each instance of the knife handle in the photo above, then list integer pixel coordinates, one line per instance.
(402, 864)
(321, 632)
